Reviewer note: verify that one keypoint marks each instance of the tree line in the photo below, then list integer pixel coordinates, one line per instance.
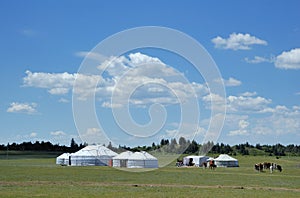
(169, 146)
(42, 146)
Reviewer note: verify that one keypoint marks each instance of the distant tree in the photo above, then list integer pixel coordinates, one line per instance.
(73, 145)
(109, 145)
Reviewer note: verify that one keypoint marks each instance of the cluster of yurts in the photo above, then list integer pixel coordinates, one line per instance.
(96, 155)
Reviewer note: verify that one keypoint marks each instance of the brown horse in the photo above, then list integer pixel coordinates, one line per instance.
(212, 164)
(259, 167)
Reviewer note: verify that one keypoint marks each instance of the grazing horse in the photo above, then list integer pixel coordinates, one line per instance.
(259, 167)
(212, 164)
(179, 163)
(267, 165)
(279, 168)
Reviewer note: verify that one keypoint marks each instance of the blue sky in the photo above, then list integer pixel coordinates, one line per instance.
(256, 46)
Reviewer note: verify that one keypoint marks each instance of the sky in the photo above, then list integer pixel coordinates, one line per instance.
(142, 95)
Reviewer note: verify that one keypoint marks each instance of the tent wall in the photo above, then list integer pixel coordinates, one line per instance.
(197, 160)
(226, 163)
(142, 163)
(63, 159)
(120, 163)
(90, 160)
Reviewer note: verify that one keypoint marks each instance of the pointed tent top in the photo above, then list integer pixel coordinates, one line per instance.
(124, 155)
(143, 155)
(95, 150)
(64, 155)
(225, 157)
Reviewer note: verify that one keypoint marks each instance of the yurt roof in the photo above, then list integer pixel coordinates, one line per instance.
(64, 155)
(124, 155)
(95, 150)
(224, 157)
(143, 155)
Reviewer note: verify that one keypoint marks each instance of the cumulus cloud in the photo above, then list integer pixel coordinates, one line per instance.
(248, 104)
(56, 83)
(282, 120)
(237, 41)
(231, 82)
(242, 130)
(259, 59)
(57, 133)
(90, 55)
(27, 108)
(33, 134)
(288, 59)
(94, 135)
(63, 100)
(249, 94)
(137, 78)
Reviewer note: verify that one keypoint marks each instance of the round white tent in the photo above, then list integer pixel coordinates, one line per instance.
(196, 160)
(94, 155)
(63, 159)
(142, 160)
(226, 161)
(121, 160)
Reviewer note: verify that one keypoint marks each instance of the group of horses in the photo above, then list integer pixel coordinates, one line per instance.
(210, 164)
(267, 166)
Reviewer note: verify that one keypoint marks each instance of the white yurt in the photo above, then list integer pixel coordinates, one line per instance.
(226, 161)
(121, 160)
(142, 160)
(94, 155)
(63, 159)
(197, 160)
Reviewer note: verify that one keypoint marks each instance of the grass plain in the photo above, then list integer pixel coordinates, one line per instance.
(37, 175)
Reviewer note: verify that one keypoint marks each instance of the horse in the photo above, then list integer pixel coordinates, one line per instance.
(267, 165)
(259, 167)
(179, 163)
(212, 164)
(279, 168)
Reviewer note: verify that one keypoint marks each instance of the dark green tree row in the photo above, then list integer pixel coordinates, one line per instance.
(169, 146)
(192, 147)
(42, 146)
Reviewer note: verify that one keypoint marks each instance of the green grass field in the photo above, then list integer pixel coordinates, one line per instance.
(33, 176)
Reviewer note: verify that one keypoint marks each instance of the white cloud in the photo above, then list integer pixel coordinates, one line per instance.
(237, 41)
(27, 108)
(62, 83)
(94, 135)
(91, 55)
(58, 91)
(281, 121)
(137, 78)
(288, 59)
(248, 104)
(238, 132)
(56, 83)
(259, 59)
(33, 134)
(231, 82)
(249, 94)
(63, 100)
(57, 133)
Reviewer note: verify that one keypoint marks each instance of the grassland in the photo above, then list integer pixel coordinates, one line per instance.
(33, 176)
